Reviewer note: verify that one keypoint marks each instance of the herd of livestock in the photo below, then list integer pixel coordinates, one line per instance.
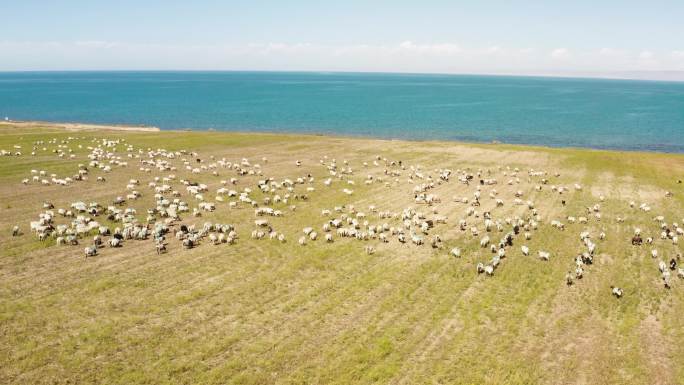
(179, 201)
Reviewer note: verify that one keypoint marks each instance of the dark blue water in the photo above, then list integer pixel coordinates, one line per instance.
(620, 114)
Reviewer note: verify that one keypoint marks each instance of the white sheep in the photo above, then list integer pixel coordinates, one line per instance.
(617, 292)
(160, 247)
(662, 266)
(666, 279)
(543, 255)
(90, 251)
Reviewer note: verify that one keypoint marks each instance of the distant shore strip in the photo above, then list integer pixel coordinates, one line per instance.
(79, 126)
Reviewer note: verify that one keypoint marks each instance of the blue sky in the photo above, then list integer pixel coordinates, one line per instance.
(499, 36)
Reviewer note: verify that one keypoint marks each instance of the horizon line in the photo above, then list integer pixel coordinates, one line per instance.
(632, 75)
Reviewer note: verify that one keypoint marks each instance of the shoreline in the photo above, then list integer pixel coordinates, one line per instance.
(71, 126)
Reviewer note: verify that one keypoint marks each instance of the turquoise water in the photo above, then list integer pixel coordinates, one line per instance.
(620, 114)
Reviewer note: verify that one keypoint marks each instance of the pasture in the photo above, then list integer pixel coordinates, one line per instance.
(362, 307)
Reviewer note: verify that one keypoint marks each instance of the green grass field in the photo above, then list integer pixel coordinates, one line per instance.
(265, 312)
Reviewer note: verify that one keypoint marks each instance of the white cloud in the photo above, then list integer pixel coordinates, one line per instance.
(427, 49)
(493, 49)
(607, 51)
(646, 60)
(560, 53)
(95, 44)
(280, 48)
(404, 56)
(646, 55)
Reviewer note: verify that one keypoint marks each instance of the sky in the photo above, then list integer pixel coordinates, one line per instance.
(604, 37)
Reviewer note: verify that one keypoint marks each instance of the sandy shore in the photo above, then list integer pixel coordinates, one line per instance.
(77, 126)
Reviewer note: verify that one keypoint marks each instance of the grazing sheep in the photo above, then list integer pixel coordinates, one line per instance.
(666, 279)
(616, 291)
(90, 251)
(525, 250)
(161, 247)
(456, 252)
(213, 238)
(15, 231)
(662, 266)
(188, 243)
(568, 279)
(302, 240)
(544, 256)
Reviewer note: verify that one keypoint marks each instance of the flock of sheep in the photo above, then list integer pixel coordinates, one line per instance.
(96, 225)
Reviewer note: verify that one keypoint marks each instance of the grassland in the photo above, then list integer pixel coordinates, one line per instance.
(263, 312)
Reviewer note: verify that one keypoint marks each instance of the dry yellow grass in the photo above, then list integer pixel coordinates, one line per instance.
(262, 312)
